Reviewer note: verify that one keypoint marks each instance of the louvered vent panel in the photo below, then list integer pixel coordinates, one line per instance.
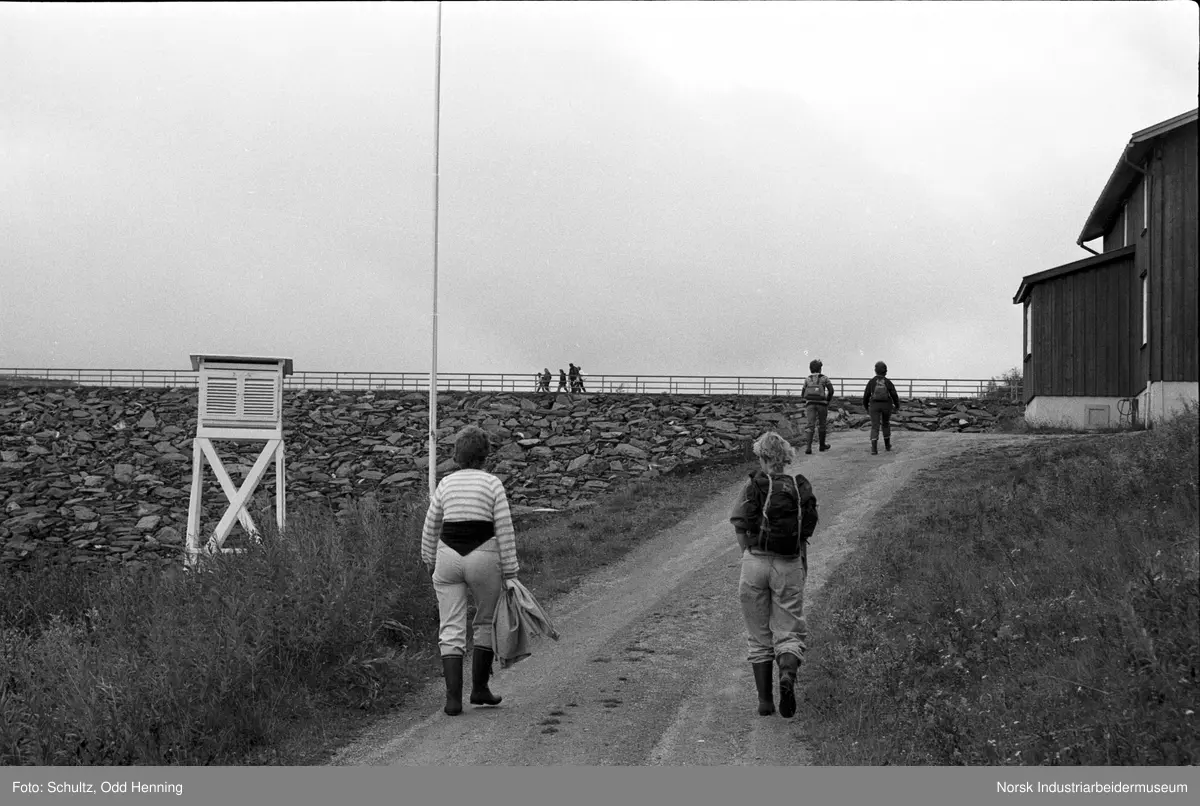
(259, 398)
(221, 399)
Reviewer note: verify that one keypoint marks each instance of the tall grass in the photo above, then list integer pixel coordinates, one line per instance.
(1030, 606)
(155, 667)
(274, 656)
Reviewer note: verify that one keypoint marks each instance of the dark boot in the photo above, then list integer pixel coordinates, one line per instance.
(824, 444)
(481, 671)
(874, 447)
(887, 443)
(452, 671)
(763, 673)
(808, 449)
(788, 665)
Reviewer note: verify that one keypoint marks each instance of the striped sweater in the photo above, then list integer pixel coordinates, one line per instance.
(476, 497)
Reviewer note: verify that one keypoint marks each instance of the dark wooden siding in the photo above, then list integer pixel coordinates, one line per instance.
(1082, 341)
(1172, 262)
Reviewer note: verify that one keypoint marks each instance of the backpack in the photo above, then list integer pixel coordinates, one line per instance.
(814, 389)
(881, 392)
(792, 513)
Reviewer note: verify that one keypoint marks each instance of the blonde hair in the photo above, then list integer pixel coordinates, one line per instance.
(774, 449)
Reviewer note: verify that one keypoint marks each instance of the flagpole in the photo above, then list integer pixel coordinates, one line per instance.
(437, 115)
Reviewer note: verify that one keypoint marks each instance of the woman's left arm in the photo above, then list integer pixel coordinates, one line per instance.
(432, 530)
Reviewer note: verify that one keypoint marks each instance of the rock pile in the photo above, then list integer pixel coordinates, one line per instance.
(104, 474)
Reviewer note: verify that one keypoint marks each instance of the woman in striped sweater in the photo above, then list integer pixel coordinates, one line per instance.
(468, 543)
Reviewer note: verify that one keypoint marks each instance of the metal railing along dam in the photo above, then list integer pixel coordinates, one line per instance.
(989, 388)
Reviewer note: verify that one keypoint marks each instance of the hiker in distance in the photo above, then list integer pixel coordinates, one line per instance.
(817, 395)
(773, 518)
(544, 380)
(562, 380)
(880, 400)
(468, 543)
(576, 376)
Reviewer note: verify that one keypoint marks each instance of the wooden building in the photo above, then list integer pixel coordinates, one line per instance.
(1112, 339)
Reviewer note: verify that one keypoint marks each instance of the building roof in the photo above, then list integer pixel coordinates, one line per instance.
(242, 359)
(1031, 280)
(1125, 176)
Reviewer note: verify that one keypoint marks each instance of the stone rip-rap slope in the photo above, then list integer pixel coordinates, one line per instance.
(104, 474)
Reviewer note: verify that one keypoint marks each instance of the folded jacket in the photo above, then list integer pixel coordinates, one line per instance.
(518, 619)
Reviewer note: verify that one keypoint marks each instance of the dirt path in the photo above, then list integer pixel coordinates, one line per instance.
(651, 666)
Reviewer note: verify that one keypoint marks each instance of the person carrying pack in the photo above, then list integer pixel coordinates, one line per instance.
(880, 400)
(817, 394)
(773, 519)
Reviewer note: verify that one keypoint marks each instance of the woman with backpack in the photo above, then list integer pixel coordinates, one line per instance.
(773, 518)
(880, 400)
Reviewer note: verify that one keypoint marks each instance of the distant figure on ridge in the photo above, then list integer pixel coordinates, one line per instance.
(817, 394)
(880, 400)
(562, 380)
(773, 518)
(544, 380)
(576, 376)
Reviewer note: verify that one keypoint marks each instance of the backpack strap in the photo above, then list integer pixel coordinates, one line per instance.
(762, 526)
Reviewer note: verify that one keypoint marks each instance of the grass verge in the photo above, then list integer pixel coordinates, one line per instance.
(276, 656)
(1032, 606)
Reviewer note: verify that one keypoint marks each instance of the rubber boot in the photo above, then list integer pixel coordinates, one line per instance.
(887, 443)
(874, 447)
(788, 665)
(808, 449)
(824, 444)
(481, 671)
(452, 671)
(763, 673)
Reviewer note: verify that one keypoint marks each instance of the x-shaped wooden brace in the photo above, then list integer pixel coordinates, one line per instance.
(238, 496)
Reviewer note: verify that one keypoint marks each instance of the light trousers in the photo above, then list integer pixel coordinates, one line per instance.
(453, 576)
(771, 590)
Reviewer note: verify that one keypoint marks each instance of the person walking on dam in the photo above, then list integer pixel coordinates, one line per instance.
(817, 395)
(773, 518)
(468, 543)
(880, 400)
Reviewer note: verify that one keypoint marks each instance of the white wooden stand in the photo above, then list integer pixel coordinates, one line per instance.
(238, 497)
(241, 400)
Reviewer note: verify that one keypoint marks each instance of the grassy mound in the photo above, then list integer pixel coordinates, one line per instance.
(1032, 606)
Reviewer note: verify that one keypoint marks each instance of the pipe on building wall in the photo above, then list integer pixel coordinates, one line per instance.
(1145, 224)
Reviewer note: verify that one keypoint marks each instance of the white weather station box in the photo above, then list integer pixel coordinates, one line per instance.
(241, 399)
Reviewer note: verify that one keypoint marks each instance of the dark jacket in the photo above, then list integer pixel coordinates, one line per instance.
(790, 522)
(869, 392)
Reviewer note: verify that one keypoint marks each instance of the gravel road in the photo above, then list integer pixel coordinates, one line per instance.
(651, 665)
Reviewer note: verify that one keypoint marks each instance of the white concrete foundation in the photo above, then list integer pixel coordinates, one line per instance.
(1079, 412)
(1161, 400)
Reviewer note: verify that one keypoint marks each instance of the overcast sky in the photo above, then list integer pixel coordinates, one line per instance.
(659, 188)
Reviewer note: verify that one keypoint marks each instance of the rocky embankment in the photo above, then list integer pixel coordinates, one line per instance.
(103, 475)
